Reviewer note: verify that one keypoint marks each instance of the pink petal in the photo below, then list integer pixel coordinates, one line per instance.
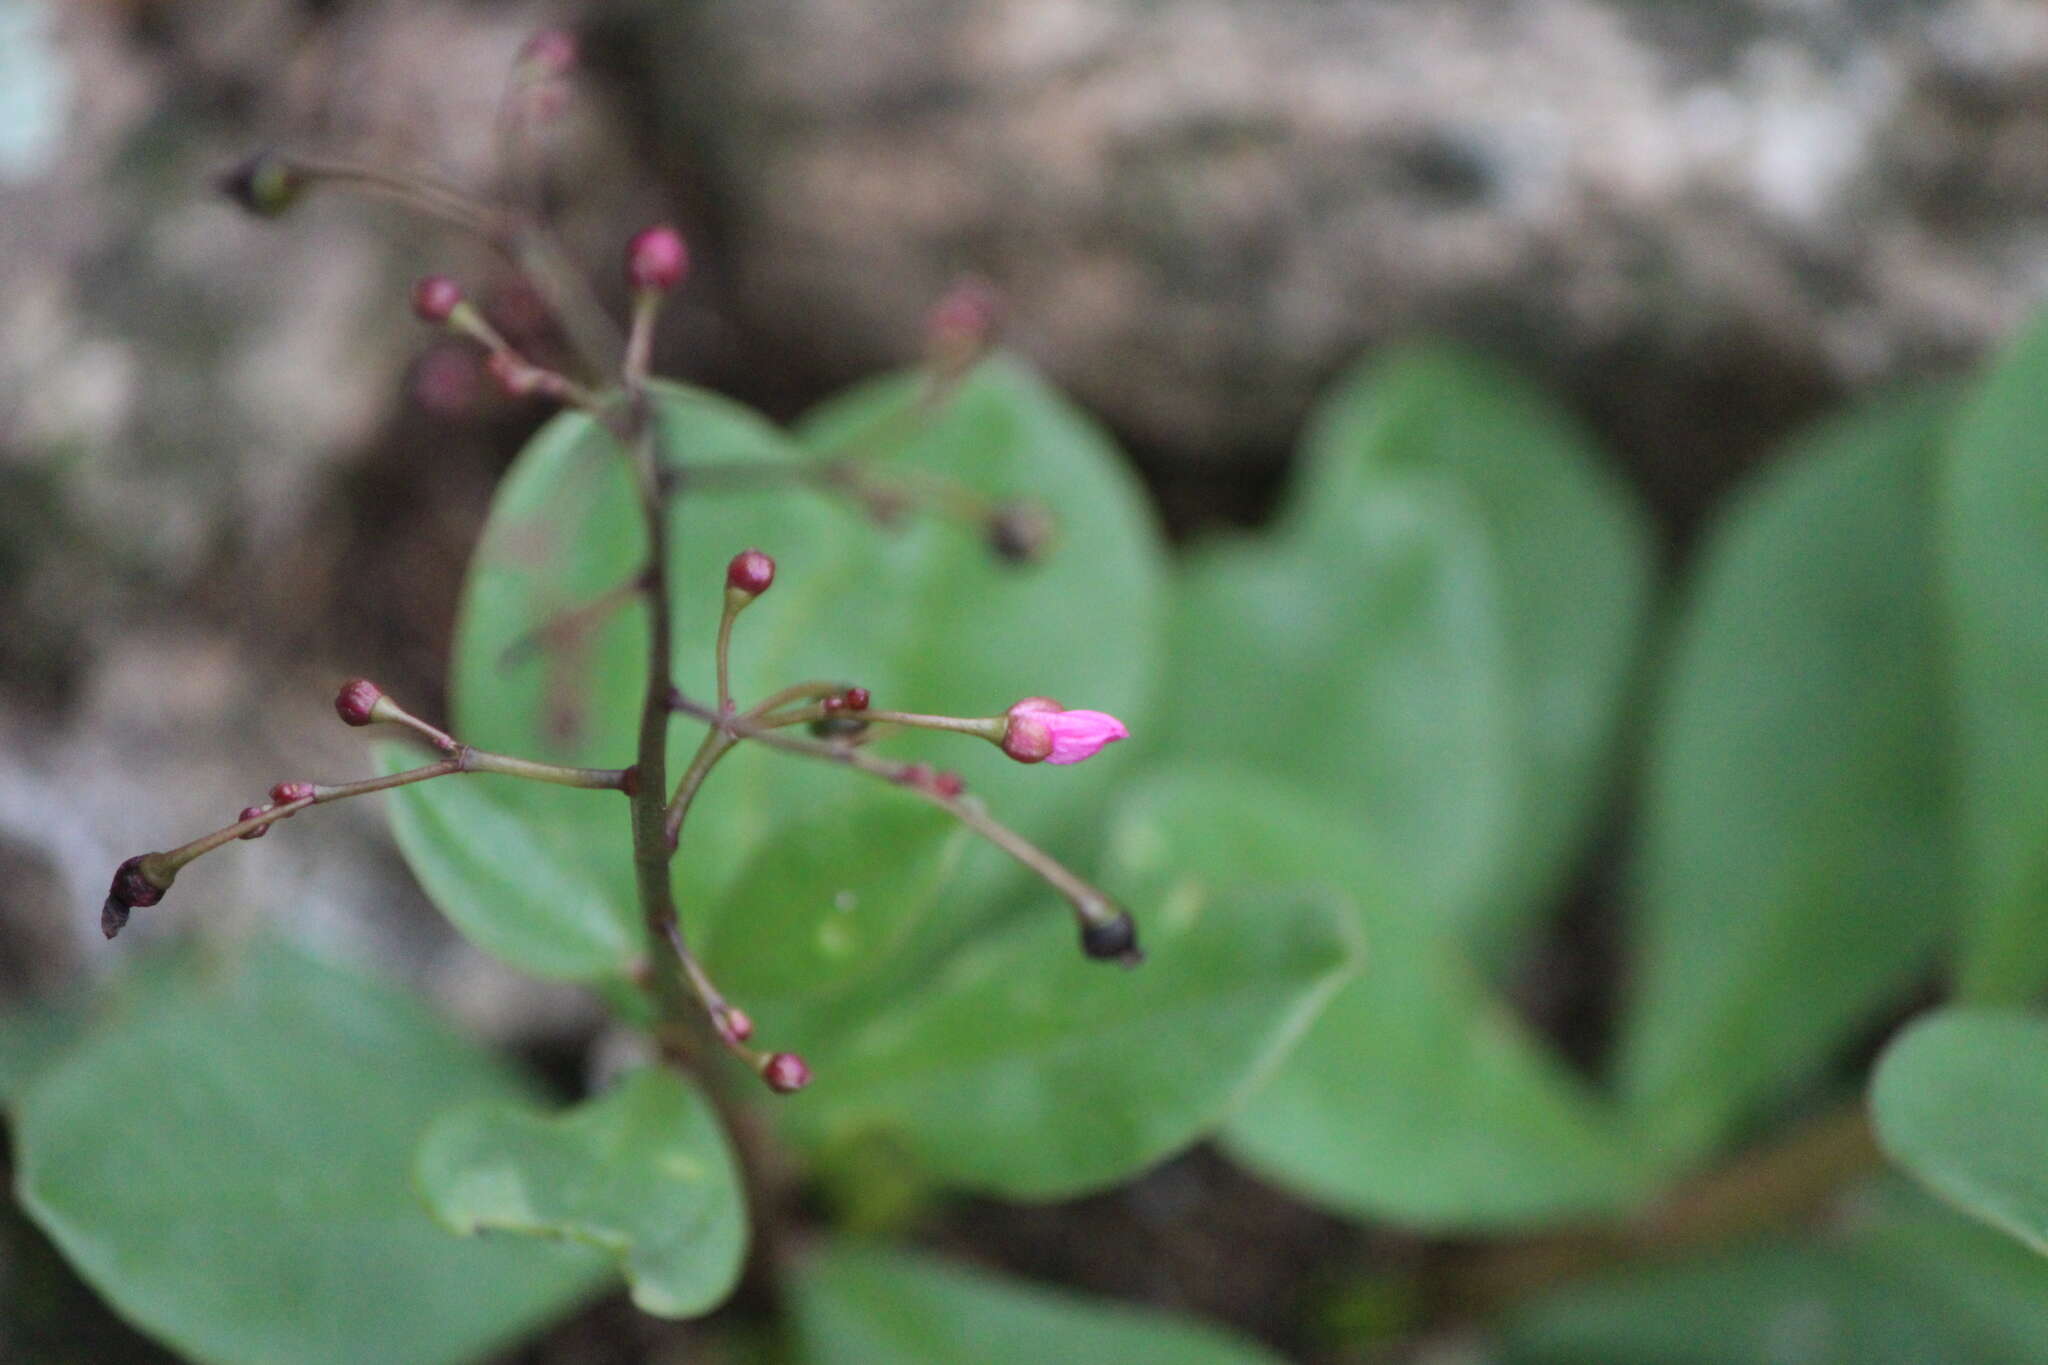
(1081, 734)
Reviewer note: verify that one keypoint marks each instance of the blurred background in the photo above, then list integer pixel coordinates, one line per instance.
(234, 468)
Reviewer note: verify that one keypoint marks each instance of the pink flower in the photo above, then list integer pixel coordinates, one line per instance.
(1041, 730)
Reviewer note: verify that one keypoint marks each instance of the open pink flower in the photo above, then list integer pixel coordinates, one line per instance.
(1042, 731)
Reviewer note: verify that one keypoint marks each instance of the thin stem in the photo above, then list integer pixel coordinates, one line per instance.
(803, 691)
(419, 193)
(983, 727)
(572, 623)
(640, 339)
(717, 743)
(734, 602)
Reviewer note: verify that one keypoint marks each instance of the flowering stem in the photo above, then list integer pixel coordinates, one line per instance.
(990, 728)
(717, 743)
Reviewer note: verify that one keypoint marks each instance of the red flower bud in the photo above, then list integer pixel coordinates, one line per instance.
(656, 259)
(857, 698)
(356, 703)
(949, 784)
(785, 1072)
(284, 793)
(750, 572)
(250, 813)
(435, 298)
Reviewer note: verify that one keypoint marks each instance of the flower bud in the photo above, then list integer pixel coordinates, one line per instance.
(856, 698)
(550, 52)
(435, 298)
(356, 703)
(1026, 738)
(1112, 940)
(1077, 735)
(250, 813)
(785, 1072)
(284, 793)
(265, 185)
(750, 572)
(949, 784)
(141, 881)
(733, 1025)
(656, 259)
(1018, 532)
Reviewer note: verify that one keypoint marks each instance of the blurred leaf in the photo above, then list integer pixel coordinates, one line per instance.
(922, 615)
(231, 1171)
(34, 1036)
(1417, 1096)
(1901, 1282)
(861, 1307)
(521, 869)
(1019, 1067)
(1438, 635)
(1795, 858)
(642, 1172)
(1994, 540)
(1961, 1101)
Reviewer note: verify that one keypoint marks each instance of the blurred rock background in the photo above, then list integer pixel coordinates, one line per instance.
(233, 468)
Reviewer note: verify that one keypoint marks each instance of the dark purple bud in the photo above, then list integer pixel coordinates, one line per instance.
(750, 572)
(656, 259)
(250, 813)
(435, 298)
(265, 185)
(1018, 532)
(785, 1072)
(1113, 940)
(133, 886)
(356, 703)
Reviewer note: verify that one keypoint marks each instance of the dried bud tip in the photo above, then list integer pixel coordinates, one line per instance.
(265, 185)
(656, 259)
(949, 784)
(1018, 532)
(1112, 940)
(134, 886)
(750, 572)
(551, 52)
(113, 917)
(356, 703)
(250, 813)
(734, 1026)
(284, 793)
(435, 298)
(785, 1072)
(856, 698)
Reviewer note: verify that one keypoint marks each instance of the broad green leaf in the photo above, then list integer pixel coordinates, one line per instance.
(828, 901)
(1896, 1280)
(1437, 636)
(1961, 1101)
(1795, 864)
(861, 1307)
(642, 1172)
(231, 1170)
(1417, 1096)
(1019, 1067)
(923, 615)
(526, 870)
(1994, 542)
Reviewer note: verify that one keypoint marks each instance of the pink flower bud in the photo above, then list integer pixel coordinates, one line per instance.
(284, 793)
(1081, 734)
(1026, 738)
(656, 259)
(734, 1026)
(785, 1072)
(356, 703)
(750, 572)
(250, 813)
(949, 784)
(435, 298)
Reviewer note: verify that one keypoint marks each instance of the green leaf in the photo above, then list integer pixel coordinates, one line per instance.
(862, 1307)
(1795, 863)
(1019, 1067)
(1438, 635)
(521, 868)
(923, 615)
(642, 1172)
(1417, 1096)
(1994, 529)
(1961, 1101)
(230, 1170)
(1899, 1281)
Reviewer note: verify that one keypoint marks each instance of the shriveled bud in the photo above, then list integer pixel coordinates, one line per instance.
(785, 1072)
(1018, 532)
(141, 881)
(656, 259)
(750, 572)
(284, 793)
(265, 185)
(1112, 940)
(435, 298)
(356, 703)
(250, 813)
